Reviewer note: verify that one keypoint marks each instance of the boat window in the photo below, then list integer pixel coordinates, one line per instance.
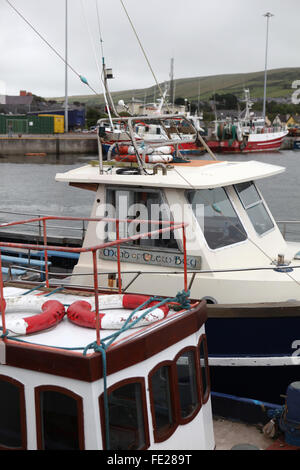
(12, 414)
(144, 205)
(255, 207)
(204, 368)
(127, 419)
(162, 403)
(60, 419)
(187, 384)
(217, 217)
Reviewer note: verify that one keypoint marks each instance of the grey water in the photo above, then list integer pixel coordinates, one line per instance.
(28, 189)
(27, 185)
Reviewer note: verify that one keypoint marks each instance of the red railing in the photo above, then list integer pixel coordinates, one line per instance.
(169, 226)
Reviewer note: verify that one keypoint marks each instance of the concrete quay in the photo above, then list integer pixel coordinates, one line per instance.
(48, 144)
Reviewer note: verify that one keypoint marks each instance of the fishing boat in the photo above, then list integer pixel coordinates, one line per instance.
(238, 260)
(245, 134)
(183, 129)
(90, 368)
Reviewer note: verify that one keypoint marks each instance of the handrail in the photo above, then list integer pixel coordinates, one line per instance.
(81, 229)
(285, 223)
(167, 226)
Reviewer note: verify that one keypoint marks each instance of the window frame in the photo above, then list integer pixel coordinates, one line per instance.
(23, 426)
(190, 417)
(163, 198)
(204, 394)
(63, 391)
(115, 386)
(160, 436)
(261, 201)
(233, 205)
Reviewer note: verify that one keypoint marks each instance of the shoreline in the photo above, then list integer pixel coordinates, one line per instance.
(48, 144)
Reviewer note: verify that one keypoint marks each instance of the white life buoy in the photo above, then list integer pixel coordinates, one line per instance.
(47, 314)
(82, 312)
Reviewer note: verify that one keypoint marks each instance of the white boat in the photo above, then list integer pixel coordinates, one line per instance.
(238, 260)
(92, 369)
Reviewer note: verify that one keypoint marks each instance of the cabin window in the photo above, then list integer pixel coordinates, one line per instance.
(255, 207)
(59, 419)
(162, 402)
(216, 217)
(12, 415)
(145, 205)
(203, 358)
(128, 427)
(187, 383)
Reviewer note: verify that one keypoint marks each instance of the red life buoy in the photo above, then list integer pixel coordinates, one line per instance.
(49, 314)
(81, 312)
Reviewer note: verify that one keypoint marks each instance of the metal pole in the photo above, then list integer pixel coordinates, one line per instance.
(268, 15)
(66, 71)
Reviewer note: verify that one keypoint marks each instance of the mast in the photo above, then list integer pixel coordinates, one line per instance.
(267, 15)
(172, 83)
(66, 69)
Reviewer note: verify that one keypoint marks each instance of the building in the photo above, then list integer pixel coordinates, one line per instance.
(76, 116)
(281, 120)
(17, 104)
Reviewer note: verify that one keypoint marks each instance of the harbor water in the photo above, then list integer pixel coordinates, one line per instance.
(28, 186)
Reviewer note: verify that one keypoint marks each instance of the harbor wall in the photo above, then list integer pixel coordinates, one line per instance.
(57, 145)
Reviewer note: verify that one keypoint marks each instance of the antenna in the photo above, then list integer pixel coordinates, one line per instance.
(172, 82)
(267, 15)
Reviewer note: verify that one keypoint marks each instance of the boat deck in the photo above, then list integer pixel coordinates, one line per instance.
(230, 433)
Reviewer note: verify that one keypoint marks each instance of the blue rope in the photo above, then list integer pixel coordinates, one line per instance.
(181, 298)
(33, 289)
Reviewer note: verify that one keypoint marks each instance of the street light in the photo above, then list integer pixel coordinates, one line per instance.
(267, 15)
(66, 69)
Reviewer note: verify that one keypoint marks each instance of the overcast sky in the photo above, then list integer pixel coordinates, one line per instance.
(204, 37)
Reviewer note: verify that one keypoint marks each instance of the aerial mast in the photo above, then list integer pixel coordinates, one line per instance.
(267, 15)
(66, 68)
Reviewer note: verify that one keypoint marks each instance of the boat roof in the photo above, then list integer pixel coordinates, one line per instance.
(198, 174)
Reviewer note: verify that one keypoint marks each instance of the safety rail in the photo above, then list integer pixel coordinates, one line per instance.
(167, 227)
(283, 226)
(129, 122)
(38, 225)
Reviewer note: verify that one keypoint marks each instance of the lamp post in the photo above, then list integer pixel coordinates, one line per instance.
(267, 15)
(66, 68)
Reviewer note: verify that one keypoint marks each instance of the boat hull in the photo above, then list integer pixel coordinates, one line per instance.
(254, 352)
(256, 143)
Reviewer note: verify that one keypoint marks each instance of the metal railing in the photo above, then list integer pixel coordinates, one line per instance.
(37, 224)
(286, 232)
(167, 227)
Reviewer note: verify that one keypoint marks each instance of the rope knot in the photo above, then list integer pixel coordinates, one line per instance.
(182, 298)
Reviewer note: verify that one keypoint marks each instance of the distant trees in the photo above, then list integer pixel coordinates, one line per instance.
(273, 108)
(225, 101)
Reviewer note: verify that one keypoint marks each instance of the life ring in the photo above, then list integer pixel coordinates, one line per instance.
(81, 312)
(148, 158)
(47, 314)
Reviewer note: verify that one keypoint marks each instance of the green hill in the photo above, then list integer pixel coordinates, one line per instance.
(279, 86)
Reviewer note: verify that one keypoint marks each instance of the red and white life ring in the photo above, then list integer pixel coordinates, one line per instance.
(47, 314)
(148, 158)
(81, 312)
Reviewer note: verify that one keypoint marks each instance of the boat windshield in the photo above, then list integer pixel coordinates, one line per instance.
(216, 217)
(254, 207)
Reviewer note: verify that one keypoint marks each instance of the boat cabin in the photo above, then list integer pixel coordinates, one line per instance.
(230, 230)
